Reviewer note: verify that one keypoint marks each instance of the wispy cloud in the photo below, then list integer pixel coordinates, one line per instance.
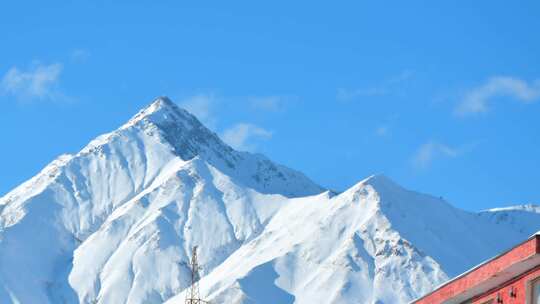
(202, 106)
(244, 136)
(477, 100)
(386, 125)
(382, 131)
(267, 103)
(80, 55)
(405, 75)
(37, 83)
(241, 136)
(350, 94)
(386, 87)
(428, 152)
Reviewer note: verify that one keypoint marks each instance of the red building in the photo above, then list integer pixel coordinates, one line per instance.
(512, 277)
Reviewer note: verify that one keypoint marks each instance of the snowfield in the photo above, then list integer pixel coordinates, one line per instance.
(115, 223)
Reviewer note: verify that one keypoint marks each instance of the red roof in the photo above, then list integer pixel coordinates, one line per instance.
(487, 275)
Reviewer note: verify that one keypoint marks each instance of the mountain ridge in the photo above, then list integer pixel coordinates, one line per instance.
(115, 223)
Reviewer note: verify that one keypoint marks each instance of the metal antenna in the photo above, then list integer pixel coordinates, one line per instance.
(193, 295)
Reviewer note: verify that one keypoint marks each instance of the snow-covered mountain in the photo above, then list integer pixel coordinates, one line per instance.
(115, 223)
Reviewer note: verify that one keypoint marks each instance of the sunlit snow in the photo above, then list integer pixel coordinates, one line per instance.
(115, 223)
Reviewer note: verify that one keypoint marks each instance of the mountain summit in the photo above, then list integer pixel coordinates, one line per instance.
(115, 223)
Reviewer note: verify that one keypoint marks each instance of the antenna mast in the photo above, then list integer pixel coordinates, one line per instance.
(193, 295)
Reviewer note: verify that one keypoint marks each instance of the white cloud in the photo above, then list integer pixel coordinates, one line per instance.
(428, 152)
(477, 100)
(202, 106)
(386, 125)
(386, 87)
(243, 136)
(267, 103)
(350, 94)
(382, 131)
(80, 55)
(39, 82)
(405, 75)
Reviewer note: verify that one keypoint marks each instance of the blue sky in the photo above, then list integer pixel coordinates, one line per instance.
(443, 97)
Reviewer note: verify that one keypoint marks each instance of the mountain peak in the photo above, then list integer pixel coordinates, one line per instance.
(182, 135)
(186, 134)
(377, 178)
(161, 103)
(378, 181)
(377, 185)
(160, 110)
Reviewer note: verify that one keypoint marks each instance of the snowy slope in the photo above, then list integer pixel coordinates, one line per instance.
(523, 218)
(374, 243)
(79, 210)
(115, 222)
